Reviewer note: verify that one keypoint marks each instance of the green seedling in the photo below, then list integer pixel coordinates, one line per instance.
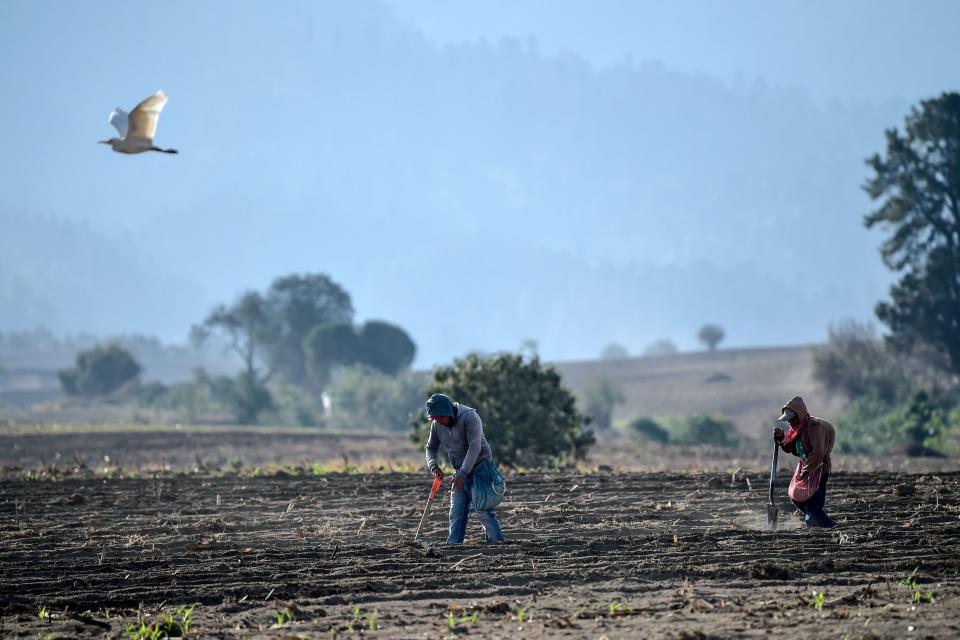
(453, 621)
(167, 627)
(372, 621)
(153, 631)
(817, 601)
(44, 613)
(356, 619)
(911, 583)
(521, 614)
(619, 608)
(283, 617)
(911, 580)
(185, 614)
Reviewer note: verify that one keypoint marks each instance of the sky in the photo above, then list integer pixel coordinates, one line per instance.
(576, 173)
(847, 51)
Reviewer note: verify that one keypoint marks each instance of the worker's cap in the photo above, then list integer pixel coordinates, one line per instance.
(438, 406)
(788, 415)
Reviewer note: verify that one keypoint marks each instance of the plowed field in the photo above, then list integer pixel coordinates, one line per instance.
(615, 555)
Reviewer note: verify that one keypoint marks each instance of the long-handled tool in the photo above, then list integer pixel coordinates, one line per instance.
(437, 481)
(771, 506)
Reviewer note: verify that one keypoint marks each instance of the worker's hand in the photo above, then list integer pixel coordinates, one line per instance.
(804, 472)
(778, 434)
(437, 471)
(458, 484)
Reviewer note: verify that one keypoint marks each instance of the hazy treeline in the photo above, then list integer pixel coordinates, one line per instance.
(42, 349)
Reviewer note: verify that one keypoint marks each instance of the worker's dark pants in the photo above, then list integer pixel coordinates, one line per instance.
(460, 508)
(814, 515)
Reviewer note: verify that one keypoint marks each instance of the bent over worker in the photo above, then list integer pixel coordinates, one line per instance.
(459, 429)
(810, 439)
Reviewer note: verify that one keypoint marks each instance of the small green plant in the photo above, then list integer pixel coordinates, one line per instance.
(185, 614)
(521, 614)
(453, 621)
(43, 613)
(372, 621)
(920, 596)
(284, 617)
(619, 609)
(169, 626)
(911, 580)
(356, 619)
(817, 600)
(146, 631)
(911, 583)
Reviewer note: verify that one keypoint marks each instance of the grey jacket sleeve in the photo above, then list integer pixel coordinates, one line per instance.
(433, 445)
(474, 430)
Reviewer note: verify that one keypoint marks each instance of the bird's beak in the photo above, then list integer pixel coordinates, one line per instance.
(103, 142)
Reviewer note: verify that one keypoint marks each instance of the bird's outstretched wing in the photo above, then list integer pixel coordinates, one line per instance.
(118, 118)
(143, 118)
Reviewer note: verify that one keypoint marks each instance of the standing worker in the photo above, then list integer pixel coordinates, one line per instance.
(459, 429)
(810, 439)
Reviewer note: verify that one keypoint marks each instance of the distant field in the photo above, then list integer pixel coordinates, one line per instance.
(747, 385)
(107, 447)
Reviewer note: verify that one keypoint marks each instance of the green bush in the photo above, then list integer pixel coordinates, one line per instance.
(293, 406)
(947, 440)
(867, 425)
(648, 429)
(598, 400)
(364, 398)
(529, 417)
(922, 424)
(189, 400)
(100, 371)
(244, 396)
(701, 428)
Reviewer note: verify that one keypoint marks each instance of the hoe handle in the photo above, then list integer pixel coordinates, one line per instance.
(773, 469)
(437, 481)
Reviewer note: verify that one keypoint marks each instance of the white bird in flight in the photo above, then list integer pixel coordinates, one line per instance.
(138, 127)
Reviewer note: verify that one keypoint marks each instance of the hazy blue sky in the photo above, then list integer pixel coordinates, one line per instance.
(833, 50)
(577, 173)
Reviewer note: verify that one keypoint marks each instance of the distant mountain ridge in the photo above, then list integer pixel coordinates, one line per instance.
(549, 198)
(70, 278)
